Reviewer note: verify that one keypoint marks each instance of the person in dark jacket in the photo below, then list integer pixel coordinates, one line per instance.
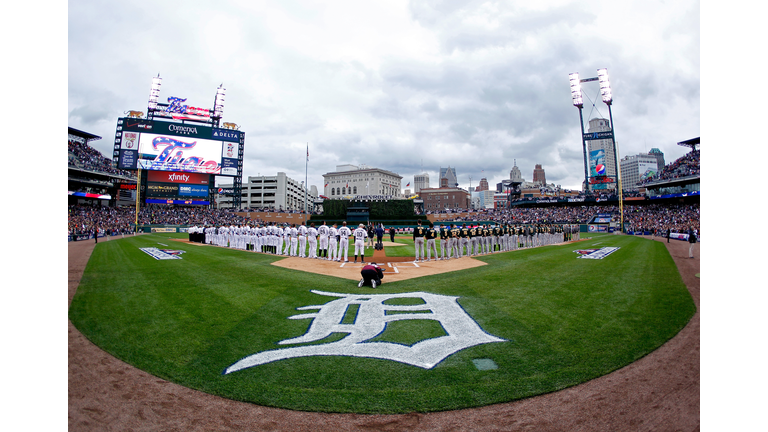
(692, 240)
(392, 234)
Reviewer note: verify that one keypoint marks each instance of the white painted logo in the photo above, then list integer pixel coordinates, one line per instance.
(372, 318)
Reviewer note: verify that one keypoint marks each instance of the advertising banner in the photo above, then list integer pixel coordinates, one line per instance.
(174, 177)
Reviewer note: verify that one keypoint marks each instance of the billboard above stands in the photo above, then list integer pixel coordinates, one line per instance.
(176, 177)
(165, 146)
(597, 163)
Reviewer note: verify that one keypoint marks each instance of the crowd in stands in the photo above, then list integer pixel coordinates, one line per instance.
(656, 218)
(119, 220)
(83, 156)
(688, 165)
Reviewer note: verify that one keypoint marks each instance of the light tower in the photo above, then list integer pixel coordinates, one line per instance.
(607, 96)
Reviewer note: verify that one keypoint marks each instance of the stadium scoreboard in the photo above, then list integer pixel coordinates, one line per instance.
(165, 146)
(180, 160)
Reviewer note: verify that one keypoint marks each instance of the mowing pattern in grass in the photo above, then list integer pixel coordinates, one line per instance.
(565, 320)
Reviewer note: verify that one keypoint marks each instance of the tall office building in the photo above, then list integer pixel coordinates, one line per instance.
(636, 168)
(420, 181)
(449, 175)
(515, 175)
(655, 152)
(483, 185)
(538, 175)
(601, 156)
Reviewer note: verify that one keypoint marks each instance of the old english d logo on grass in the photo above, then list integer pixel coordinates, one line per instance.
(372, 318)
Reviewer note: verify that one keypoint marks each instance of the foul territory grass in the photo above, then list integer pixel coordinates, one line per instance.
(565, 321)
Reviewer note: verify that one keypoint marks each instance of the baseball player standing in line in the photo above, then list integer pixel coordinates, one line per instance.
(443, 241)
(333, 232)
(279, 242)
(432, 234)
(418, 241)
(323, 232)
(475, 239)
(287, 239)
(294, 240)
(464, 241)
(344, 233)
(454, 243)
(312, 240)
(302, 241)
(360, 235)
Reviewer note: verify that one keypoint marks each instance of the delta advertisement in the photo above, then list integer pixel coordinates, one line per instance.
(162, 146)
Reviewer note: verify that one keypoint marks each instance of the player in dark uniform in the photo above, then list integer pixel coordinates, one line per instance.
(444, 238)
(474, 242)
(418, 241)
(431, 236)
(464, 240)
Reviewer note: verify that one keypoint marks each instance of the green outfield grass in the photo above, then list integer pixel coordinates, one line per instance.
(564, 320)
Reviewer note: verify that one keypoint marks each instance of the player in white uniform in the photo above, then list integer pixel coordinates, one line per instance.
(302, 241)
(312, 240)
(323, 231)
(360, 234)
(332, 233)
(287, 239)
(294, 240)
(344, 233)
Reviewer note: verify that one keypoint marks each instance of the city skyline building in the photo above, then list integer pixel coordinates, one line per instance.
(449, 175)
(538, 175)
(636, 168)
(350, 181)
(515, 175)
(420, 181)
(278, 192)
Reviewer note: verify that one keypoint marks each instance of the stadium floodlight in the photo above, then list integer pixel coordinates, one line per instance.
(605, 86)
(154, 92)
(218, 103)
(578, 101)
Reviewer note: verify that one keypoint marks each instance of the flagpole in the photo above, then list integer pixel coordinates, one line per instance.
(306, 184)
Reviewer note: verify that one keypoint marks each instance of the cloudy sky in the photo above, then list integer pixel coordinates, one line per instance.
(405, 86)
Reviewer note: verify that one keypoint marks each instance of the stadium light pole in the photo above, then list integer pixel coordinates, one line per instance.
(578, 102)
(607, 96)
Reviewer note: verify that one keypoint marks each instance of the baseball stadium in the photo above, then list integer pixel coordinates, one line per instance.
(574, 313)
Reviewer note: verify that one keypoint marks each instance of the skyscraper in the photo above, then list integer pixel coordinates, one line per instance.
(538, 175)
(515, 175)
(450, 175)
(420, 181)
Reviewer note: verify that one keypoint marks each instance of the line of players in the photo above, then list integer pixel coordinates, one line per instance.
(460, 241)
(454, 241)
(324, 242)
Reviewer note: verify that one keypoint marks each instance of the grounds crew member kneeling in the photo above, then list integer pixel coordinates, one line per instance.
(372, 274)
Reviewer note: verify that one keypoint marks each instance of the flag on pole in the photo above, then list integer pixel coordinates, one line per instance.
(307, 152)
(409, 183)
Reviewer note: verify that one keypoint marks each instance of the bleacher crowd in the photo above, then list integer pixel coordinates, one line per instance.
(688, 165)
(81, 155)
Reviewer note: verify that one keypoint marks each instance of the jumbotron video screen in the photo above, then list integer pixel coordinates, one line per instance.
(165, 146)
